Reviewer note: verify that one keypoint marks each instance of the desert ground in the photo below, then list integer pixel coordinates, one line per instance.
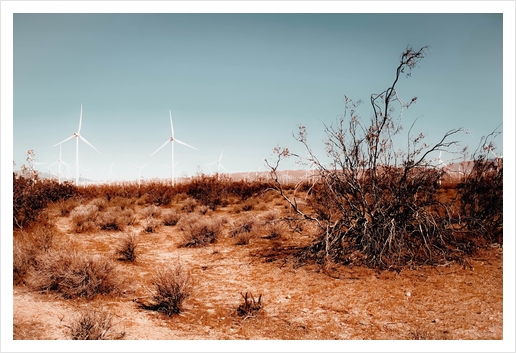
(298, 301)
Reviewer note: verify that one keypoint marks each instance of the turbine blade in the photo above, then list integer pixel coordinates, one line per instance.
(223, 167)
(66, 164)
(220, 158)
(163, 145)
(211, 163)
(134, 165)
(71, 137)
(181, 142)
(143, 166)
(52, 164)
(80, 121)
(171, 124)
(83, 139)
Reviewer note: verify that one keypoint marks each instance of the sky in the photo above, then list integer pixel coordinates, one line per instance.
(237, 84)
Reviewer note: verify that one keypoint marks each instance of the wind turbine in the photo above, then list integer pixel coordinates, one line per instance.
(77, 135)
(218, 163)
(139, 169)
(110, 172)
(441, 163)
(59, 161)
(172, 139)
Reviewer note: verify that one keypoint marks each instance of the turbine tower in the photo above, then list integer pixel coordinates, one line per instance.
(77, 136)
(59, 161)
(139, 169)
(172, 139)
(218, 163)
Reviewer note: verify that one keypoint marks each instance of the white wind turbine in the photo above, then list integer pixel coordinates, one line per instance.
(218, 163)
(139, 174)
(110, 172)
(172, 139)
(77, 135)
(59, 161)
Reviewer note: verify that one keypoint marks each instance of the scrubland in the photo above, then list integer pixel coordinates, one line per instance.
(215, 258)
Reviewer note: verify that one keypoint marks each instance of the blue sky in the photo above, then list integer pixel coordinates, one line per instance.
(238, 83)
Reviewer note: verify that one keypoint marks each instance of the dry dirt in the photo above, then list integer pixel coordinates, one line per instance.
(299, 303)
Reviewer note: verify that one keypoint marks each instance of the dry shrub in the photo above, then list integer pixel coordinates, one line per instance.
(275, 229)
(170, 217)
(100, 202)
(189, 205)
(74, 275)
(114, 218)
(122, 202)
(250, 306)
(26, 246)
(249, 204)
(66, 206)
(126, 249)
(172, 286)
(94, 325)
(245, 230)
(151, 211)
(200, 231)
(150, 224)
(84, 218)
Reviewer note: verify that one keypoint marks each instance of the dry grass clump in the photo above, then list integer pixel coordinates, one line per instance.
(172, 286)
(151, 211)
(114, 218)
(189, 204)
(151, 225)
(122, 202)
(74, 275)
(200, 231)
(27, 245)
(84, 218)
(250, 306)
(66, 206)
(94, 325)
(126, 249)
(100, 202)
(170, 217)
(245, 230)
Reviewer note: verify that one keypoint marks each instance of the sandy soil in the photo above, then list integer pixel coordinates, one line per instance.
(299, 303)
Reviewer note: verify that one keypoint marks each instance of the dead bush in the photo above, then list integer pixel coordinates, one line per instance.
(127, 246)
(170, 217)
(200, 231)
(122, 202)
(66, 206)
(250, 306)
(172, 286)
(151, 211)
(151, 224)
(94, 325)
(189, 205)
(74, 275)
(100, 202)
(26, 246)
(84, 218)
(114, 218)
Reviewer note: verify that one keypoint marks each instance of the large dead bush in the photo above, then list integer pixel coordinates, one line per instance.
(375, 204)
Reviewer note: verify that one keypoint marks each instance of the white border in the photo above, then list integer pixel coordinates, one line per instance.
(10, 7)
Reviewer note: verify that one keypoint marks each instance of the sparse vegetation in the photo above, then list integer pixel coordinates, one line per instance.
(172, 286)
(94, 325)
(74, 275)
(250, 306)
(200, 231)
(127, 247)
